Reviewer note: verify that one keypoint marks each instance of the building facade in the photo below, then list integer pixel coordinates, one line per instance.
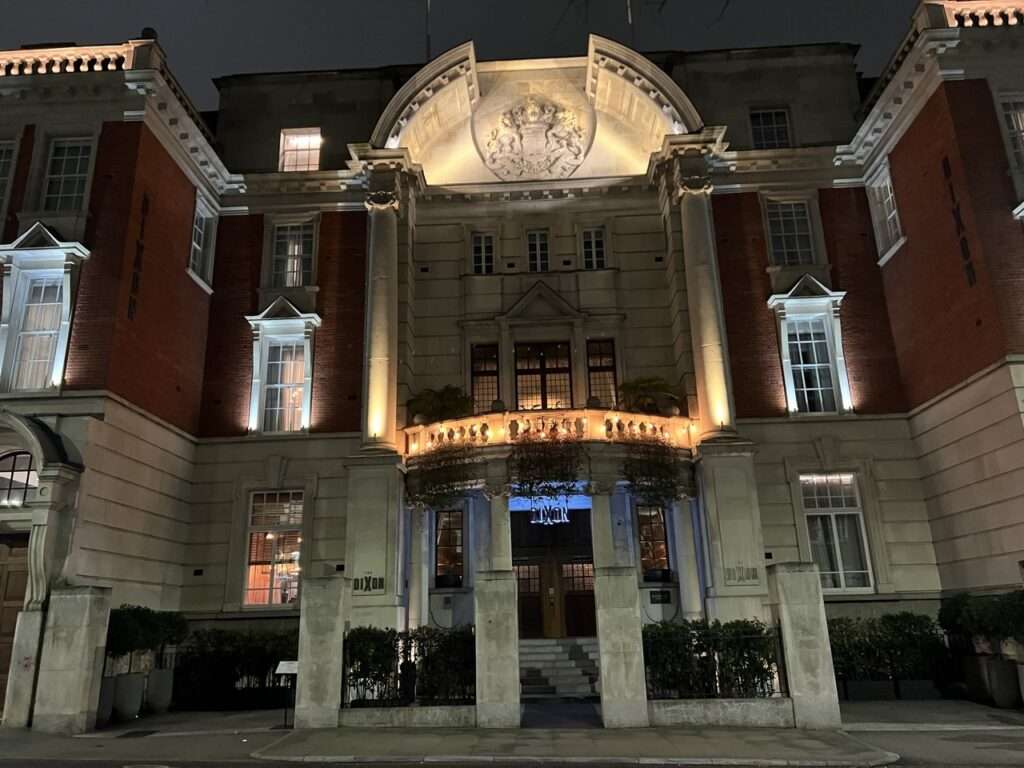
(212, 327)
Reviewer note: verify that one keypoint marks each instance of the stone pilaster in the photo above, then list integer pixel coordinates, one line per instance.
(419, 567)
(322, 619)
(691, 597)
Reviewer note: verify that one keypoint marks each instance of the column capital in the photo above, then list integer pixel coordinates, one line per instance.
(381, 200)
(683, 165)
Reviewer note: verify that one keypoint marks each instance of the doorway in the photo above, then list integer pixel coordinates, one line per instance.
(554, 564)
(13, 582)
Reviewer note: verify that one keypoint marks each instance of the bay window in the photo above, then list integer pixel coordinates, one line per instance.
(836, 532)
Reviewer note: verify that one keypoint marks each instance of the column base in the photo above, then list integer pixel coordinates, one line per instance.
(21, 683)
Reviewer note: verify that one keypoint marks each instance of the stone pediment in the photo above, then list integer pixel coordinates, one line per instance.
(808, 289)
(41, 243)
(541, 304)
(281, 311)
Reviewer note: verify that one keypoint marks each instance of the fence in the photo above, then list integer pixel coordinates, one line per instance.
(386, 668)
(701, 660)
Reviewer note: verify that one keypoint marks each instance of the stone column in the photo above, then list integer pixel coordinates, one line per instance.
(691, 597)
(324, 611)
(496, 618)
(71, 661)
(617, 605)
(796, 593)
(381, 332)
(704, 294)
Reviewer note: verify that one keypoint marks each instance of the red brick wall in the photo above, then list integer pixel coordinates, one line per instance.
(155, 359)
(875, 383)
(945, 330)
(338, 347)
(18, 182)
(751, 327)
(236, 281)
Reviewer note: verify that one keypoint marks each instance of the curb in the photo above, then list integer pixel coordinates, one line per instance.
(927, 727)
(887, 758)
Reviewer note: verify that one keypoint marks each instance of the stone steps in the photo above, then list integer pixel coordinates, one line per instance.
(555, 667)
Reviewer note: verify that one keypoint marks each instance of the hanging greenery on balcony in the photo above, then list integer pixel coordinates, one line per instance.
(431, 405)
(656, 470)
(442, 475)
(543, 466)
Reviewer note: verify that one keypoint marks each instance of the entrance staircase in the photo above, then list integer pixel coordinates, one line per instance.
(552, 668)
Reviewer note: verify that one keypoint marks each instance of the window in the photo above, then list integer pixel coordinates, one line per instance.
(653, 539)
(885, 199)
(537, 250)
(275, 544)
(448, 557)
(17, 477)
(543, 376)
(810, 358)
(527, 578)
(484, 376)
(593, 248)
(835, 526)
(284, 392)
(292, 257)
(66, 174)
(601, 381)
(6, 163)
(1013, 117)
(300, 149)
(200, 259)
(483, 253)
(578, 577)
(789, 233)
(769, 128)
(37, 337)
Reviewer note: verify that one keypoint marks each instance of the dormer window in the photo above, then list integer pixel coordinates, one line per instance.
(300, 150)
(67, 171)
(39, 271)
(769, 129)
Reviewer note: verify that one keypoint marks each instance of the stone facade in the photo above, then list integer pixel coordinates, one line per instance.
(238, 322)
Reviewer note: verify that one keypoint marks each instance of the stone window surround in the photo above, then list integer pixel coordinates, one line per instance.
(1016, 171)
(14, 143)
(492, 229)
(304, 296)
(301, 527)
(875, 179)
(771, 107)
(468, 549)
(782, 275)
(209, 213)
(592, 221)
(828, 461)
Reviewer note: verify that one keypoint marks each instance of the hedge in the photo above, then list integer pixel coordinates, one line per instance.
(895, 646)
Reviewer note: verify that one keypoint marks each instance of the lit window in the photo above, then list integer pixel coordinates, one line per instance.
(17, 477)
(284, 391)
(484, 376)
(601, 372)
(1013, 117)
(835, 526)
(66, 174)
(537, 250)
(543, 376)
(293, 252)
(275, 545)
(300, 149)
(483, 253)
(769, 128)
(593, 248)
(653, 541)
(6, 163)
(448, 549)
(789, 233)
(578, 577)
(200, 259)
(37, 336)
(811, 361)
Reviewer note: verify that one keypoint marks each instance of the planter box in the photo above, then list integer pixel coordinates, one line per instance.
(105, 709)
(917, 690)
(128, 692)
(726, 713)
(159, 690)
(1001, 681)
(869, 690)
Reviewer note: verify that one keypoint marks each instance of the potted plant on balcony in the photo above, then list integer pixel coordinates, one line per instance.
(430, 405)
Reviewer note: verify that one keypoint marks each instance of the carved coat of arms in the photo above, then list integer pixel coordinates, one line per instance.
(535, 138)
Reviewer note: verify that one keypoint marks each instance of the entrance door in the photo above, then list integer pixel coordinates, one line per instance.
(13, 580)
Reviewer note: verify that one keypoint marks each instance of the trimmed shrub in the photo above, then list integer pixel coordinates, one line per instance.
(896, 646)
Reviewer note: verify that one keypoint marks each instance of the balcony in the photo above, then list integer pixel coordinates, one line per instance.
(595, 426)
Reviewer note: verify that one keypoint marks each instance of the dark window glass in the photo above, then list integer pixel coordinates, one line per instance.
(448, 538)
(601, 371)
(653, 538)
(17, 476)
(593, 248)
(484, 376)
(543, 377)
(483, 253)
(537, 250)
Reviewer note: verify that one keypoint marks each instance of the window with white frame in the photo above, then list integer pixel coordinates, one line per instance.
(282, 353)
(300, 149)
(292, 256)
(37, 334)
(813, 361)
(67, 172)
(790, 232)
(593, 248)
(835, 528)
(6, 168)
(200, 259)
(483, 253)
(537, 250)
(273, 564)
(1013, 119)
(769, 128)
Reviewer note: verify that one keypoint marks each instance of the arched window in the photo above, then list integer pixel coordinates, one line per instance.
(17, 476)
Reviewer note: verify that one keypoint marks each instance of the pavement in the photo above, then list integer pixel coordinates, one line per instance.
(946, 733)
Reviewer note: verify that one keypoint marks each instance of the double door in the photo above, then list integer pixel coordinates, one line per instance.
(13, 581)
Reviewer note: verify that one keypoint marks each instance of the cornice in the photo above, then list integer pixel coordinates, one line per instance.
(561, 189)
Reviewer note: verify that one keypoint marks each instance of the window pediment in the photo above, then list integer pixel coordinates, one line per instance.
(808, 294)
(40, 247)
(541, 303)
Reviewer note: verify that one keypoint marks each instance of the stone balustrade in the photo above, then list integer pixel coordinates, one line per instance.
(94, 58)
(976, 13)
(583, 424)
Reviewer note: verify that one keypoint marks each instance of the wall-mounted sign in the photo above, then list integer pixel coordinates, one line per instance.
(661, 597)
(368, 584)
(549, 514)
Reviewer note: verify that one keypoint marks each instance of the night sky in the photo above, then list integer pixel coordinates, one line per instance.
(209, 38)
